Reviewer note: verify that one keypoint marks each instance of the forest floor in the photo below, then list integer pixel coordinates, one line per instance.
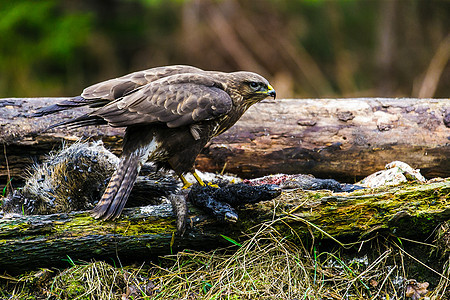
(268, 264)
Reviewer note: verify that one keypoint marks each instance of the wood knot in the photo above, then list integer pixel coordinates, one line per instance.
(306, 122)
(345, 116)
(447, 120)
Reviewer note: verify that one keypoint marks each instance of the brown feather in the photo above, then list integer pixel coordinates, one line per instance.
(119, 188)
(118, 87)
(170, 114)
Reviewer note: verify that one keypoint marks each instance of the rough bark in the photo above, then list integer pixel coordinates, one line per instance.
(413, 211)
(344, 139)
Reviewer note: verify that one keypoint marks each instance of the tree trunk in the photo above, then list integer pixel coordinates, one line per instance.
(344, 139)
(413, 211)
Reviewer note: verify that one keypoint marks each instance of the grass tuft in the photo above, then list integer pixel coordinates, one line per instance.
(267, 265)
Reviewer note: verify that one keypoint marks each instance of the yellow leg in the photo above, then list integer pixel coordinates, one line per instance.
(187, 184)
(199, 180)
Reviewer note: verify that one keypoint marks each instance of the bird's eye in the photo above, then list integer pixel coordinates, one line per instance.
(254, 85)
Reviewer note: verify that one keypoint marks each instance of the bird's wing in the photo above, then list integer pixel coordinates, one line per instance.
(119, 87)
(102, 93)
(175, 100)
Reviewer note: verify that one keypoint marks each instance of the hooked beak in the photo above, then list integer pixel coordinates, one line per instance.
(271, 91)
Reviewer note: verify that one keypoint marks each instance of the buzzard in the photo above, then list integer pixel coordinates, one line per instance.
(170, 114)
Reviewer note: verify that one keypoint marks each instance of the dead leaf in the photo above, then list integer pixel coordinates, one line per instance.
(416, 290)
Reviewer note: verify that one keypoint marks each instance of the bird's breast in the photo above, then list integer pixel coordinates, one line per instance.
(228, 120)
(150, 151)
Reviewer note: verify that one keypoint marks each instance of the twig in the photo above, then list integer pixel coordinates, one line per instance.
(384, 281)
(435, 69)
(429, 268)
(7, 170)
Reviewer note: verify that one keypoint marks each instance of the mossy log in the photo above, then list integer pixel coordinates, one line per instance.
(412, 210)
(344, 139)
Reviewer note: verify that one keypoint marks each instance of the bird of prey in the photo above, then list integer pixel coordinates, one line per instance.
(170, 114)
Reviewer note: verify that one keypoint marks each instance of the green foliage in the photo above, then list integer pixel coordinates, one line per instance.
(231, 240)
(36, 36)
(315, 48)
(6, 188)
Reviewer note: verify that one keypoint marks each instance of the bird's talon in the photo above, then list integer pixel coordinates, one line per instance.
(231, 217)
(187, 185)
(213, 185)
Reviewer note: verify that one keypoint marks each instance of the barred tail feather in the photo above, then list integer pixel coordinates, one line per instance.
(116, 194)
(63, 105)
(84, 120)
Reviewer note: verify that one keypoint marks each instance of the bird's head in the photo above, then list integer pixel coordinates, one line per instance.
(251, 87)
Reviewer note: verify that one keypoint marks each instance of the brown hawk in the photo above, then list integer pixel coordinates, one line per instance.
(170, 113)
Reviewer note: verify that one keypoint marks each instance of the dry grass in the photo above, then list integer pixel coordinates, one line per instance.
(266, 266)
(97, 280)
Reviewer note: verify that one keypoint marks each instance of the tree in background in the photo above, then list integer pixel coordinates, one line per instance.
(308, 48)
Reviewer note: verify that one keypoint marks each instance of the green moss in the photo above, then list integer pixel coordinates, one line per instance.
(83, 225)
(145, 226)
(410, 206)
(7, 228)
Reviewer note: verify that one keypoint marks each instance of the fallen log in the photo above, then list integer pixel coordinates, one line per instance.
(412, 210)
(344, 139)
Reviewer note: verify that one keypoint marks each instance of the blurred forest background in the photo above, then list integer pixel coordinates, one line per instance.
(312, 48)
